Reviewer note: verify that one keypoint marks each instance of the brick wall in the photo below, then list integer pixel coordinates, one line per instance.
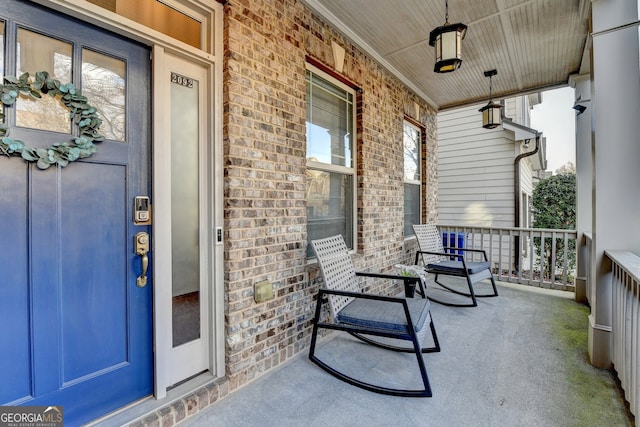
(266, 43)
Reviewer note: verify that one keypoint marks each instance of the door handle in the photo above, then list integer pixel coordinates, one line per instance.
(141, 243)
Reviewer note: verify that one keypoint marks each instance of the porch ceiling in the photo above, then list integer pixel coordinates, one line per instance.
(533, 44)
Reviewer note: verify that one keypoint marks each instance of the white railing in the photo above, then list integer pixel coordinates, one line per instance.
(532, 256)
(625, 280)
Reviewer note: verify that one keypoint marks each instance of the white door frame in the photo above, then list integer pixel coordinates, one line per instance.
(174, 364)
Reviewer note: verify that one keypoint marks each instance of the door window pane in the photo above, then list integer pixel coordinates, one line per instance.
(104, 85)
(185, 217)
(36, 52)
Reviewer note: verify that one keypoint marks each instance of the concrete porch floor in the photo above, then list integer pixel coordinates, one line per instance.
(516, 360)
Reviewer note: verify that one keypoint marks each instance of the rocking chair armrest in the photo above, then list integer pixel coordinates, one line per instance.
(420, 252)
(410, 282)
(436, 253)
(387, 276)
(484, 252)
(449, 255)
(376, 297)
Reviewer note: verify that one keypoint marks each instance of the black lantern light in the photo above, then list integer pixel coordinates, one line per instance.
(491, 113)
(447, 40)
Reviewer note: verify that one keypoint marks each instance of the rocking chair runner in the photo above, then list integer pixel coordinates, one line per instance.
(441, 263)
(367, 316)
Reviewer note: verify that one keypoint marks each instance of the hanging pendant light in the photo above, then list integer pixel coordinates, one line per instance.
(491, 113)
(447, 40)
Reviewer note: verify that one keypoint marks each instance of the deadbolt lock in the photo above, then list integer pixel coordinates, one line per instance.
(142, 243)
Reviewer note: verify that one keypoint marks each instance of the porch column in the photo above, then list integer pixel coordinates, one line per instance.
(616, 155)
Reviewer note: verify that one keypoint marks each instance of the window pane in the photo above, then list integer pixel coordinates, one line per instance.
(157, 15)
(329, 206)
(411, 207)
(103, 83)
(40, 53)
(412, 176)
(329, 122)
(411, 153)
(185, 212)
(2, 59)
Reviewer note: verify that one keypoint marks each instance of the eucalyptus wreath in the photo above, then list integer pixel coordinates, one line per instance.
(81, 113)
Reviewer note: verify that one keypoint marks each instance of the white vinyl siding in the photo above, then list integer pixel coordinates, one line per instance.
(475, 171)
(526, 176)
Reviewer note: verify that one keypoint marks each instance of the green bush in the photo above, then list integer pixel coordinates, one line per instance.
(554, 206)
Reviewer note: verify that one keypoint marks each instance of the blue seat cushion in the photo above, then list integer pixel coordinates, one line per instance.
(455, 267)
(385, 315)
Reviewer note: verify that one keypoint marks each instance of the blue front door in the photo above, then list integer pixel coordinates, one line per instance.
(75, 329)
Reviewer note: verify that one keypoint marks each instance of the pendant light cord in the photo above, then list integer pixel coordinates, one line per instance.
(446, 11)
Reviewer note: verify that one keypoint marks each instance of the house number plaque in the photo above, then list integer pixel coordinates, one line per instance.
(181, 80)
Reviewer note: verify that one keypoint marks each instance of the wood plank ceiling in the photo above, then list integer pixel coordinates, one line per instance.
(533, 44)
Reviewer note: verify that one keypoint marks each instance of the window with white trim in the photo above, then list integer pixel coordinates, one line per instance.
(331, 171)
(412, 136)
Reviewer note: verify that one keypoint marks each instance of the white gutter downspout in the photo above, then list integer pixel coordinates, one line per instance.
(516, 189)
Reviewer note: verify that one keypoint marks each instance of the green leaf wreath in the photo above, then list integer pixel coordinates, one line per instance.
(81, 113)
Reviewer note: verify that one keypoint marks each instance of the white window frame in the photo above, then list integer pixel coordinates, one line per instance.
(351, 171)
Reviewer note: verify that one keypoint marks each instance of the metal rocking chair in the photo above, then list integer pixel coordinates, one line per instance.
(441, 263)
(368, 316)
